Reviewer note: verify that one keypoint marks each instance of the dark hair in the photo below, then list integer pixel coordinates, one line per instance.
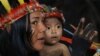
(17, 42)
(21, 35)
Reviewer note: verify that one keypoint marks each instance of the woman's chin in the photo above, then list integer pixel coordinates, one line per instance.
(38, 46)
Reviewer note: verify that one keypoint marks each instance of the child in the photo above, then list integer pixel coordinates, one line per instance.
(54, 24)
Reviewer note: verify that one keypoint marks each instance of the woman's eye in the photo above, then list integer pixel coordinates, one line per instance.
(58, 26)
(34, 22)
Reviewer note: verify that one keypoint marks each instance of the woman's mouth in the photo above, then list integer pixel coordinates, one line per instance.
(41, 39)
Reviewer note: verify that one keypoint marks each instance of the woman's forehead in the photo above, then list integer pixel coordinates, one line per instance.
(36, 14)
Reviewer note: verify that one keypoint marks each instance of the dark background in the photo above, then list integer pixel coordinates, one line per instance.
(74, 10)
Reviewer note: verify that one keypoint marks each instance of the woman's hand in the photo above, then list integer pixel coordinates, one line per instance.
(87, 32)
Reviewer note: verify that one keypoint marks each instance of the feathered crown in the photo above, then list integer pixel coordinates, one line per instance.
(54, 12)
(12, 10)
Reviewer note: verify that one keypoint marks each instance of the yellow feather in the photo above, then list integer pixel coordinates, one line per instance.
(21, 1)
(6, 5)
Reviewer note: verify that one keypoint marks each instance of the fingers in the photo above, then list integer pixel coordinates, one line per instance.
(79, 29)
(73, 26)
(87, 29)
(88, 33)
(92, 35)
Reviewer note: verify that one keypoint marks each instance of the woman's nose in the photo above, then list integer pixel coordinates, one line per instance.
(41, 27)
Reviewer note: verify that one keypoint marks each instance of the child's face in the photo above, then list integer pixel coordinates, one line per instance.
(53, 31)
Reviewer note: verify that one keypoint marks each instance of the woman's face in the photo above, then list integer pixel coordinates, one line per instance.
(38, 28)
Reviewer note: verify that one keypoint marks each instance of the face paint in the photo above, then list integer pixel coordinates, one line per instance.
(38, 29)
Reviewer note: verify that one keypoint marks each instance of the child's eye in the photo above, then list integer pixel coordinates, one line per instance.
(48, 28)
(58, 26)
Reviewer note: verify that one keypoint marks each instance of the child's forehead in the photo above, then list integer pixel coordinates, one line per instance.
(52, 20)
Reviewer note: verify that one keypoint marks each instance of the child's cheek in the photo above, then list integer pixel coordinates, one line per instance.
(48, 33)
(59, 33)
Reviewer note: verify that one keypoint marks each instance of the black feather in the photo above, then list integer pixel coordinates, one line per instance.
(13, 3)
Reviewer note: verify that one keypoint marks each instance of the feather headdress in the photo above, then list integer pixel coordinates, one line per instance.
(12, 10)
